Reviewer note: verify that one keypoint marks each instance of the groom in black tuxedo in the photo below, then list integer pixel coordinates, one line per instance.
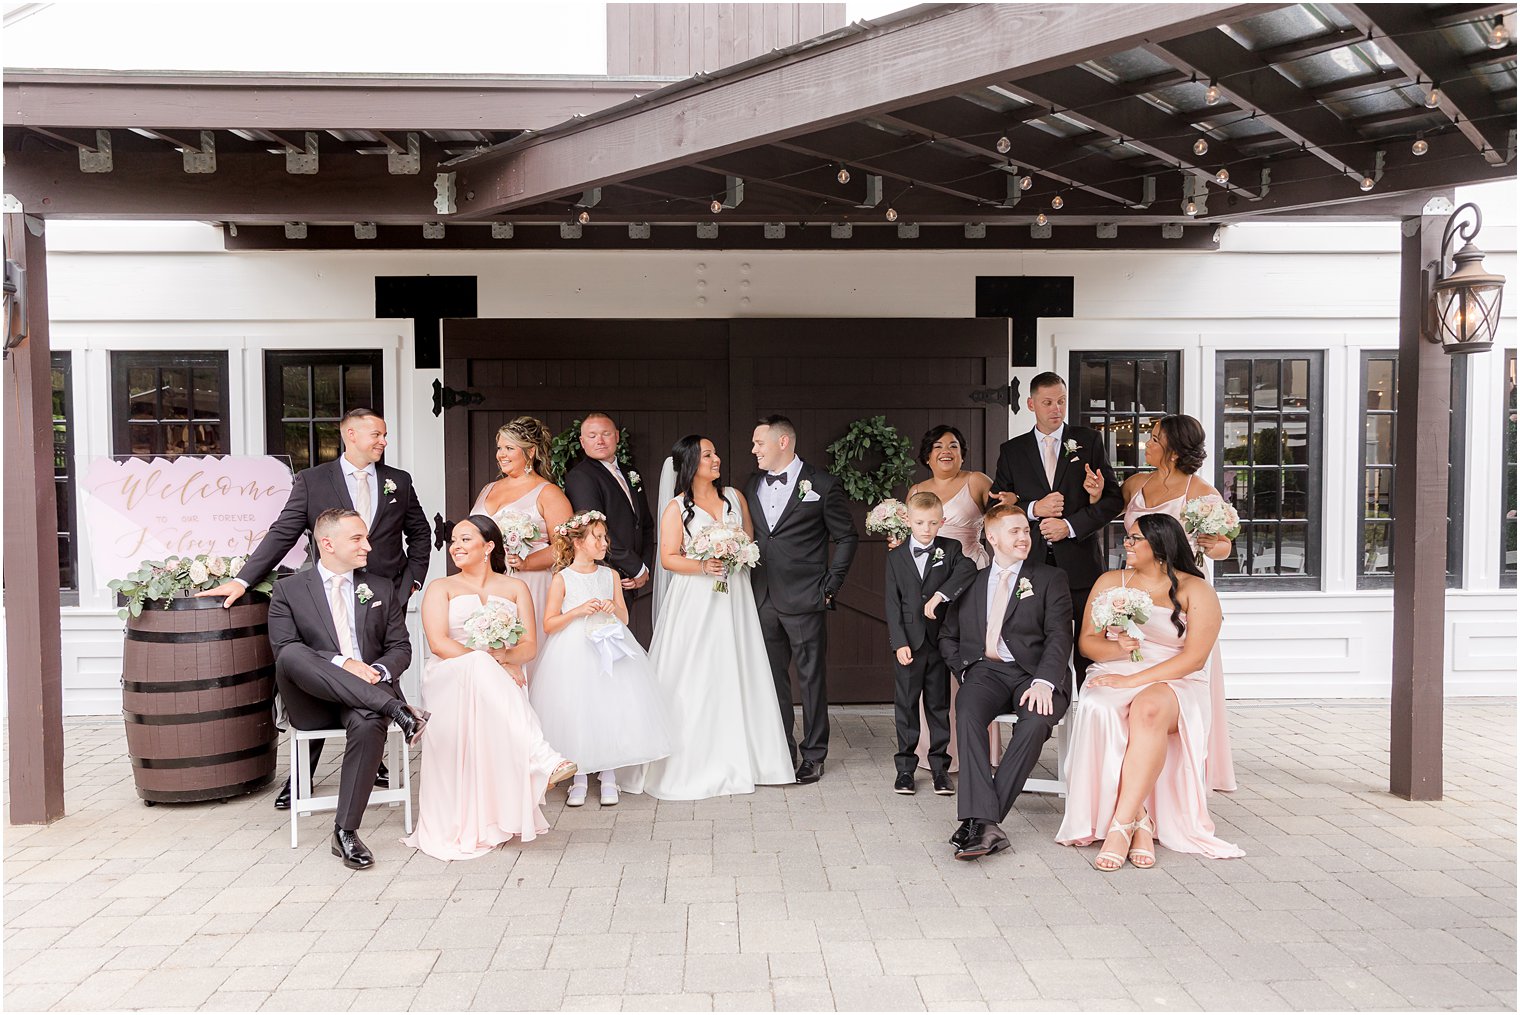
(1051, 470)
(1008, 639)
(796, 510)
(597, 483)
(399, 536)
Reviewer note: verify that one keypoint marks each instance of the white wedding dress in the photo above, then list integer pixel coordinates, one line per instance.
(710, 663)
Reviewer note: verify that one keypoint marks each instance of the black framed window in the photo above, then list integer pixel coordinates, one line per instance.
(307, 393)
(169, 403)
(63, 469)
(1269, 465)
(1120, 394)
(1507, 538)
(1379, 408)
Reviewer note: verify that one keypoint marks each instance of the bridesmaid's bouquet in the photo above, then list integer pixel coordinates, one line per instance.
(1124, 608)
(1209, 516)
(518, 531)
(494, 625)
(727, 543)
(890, 519)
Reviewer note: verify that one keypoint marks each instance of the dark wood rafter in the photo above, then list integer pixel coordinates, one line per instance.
(1403, 33)
(1361, 84)
(972, 46)
(801, 174)
(1303, 48)
(1459, 14)
(904, 161)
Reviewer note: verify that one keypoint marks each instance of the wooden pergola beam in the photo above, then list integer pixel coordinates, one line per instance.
(1404, 35)
(801, 174)
(949, 51)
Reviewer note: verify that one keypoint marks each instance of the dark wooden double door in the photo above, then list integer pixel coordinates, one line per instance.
(662, 380)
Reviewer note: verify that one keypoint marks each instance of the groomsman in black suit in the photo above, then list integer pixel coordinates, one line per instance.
(1052, 470)
(596, 482)
(797, 510)
(340, 646)
(1008, 639)
(399, 535)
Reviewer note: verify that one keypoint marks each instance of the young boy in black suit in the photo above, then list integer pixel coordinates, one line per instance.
(925, 572)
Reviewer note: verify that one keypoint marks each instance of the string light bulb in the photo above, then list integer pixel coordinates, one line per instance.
(1433, 98)
(891, 214)
(583, 217)
(1041, 219)
(1004, 146)
(1201, 146)
(1192, 208)
(1368, 183)
(1057, 203)
(1222, 177)
(843, 176)
(1420, 146)
(1025, 182)
(716, 206)
(1498, 36)
(1211, 96)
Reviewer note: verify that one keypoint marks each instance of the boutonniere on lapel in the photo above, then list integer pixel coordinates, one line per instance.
(363, 593)
(1024, 589)
(938, 556)
(633, 479)
(1072, 447)
(389, 487)
(804, 488)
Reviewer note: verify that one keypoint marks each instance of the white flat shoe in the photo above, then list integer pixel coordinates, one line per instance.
(576, 797)
(609, 794)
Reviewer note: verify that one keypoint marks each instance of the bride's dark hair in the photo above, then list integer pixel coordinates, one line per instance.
(686, 455)
(490, 533)
(1169, 545)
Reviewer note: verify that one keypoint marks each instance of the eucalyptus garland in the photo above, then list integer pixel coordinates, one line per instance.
(565, 450)
(863, 437)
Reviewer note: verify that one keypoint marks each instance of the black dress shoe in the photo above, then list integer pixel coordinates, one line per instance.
(383, 777)
(959, 836)
(942, 784)
(282, 798)
(904, 784)
(348, 845)
(810, 771)
(412, 722)
(984, 839)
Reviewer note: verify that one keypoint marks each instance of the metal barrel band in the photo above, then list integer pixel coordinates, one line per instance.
(192, 637)
(185, 718)
(201, 684)
(207, 760)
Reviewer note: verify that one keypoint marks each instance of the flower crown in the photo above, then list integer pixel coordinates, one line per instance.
(579, 521)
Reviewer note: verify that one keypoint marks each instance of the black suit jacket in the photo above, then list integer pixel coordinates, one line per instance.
(797, 572)
(907, 593)
(1020, 469)
(1036, 628)
(299, 614)
(398, 517)
(630, 528)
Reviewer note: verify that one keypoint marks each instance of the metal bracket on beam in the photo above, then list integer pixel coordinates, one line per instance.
(638, 230)
(1108, 230)
(97, 159)
(1265, 187)
(873, 193)
(1438, 205)
(1039, 232)
(907, 230)
(1147, 194)
(976, 230)
(295, 230)
(432, 230)
(302, 161)
(775, 230)
(365, 231)
(569, 230)
(407, 163)
(1014, 192)
(841, 230)
(733, 191)
(447, 202)
(707, 230)
(204, 159)
(1195, 192)
(1171, 230)
(501, 230)
(590, 198)
(1380, 157)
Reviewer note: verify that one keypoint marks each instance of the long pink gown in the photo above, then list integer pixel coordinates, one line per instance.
(1179, 804)
(1221, 761)
(485, 765)
(537, 581)
(963, 521)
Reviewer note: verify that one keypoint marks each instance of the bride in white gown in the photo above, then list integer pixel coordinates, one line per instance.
(708, 653)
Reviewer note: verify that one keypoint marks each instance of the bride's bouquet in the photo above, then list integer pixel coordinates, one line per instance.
(494, 625)
(726, 543)
(1209, 516)
(890, 519)
(1123, 608)
(518, 531)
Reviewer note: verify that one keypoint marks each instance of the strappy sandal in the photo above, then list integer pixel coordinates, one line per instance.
(1137, 855)
(1126, 829)
(563, 771)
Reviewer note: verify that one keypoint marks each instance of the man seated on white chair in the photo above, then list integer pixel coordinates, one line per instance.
(340, 646)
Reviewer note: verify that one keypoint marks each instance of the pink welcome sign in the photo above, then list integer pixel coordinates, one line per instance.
(148, 509)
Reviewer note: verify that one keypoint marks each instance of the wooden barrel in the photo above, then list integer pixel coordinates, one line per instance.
(198, 696)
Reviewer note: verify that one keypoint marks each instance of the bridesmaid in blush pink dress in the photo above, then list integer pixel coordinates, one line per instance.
(485, 765)
(1176, 452)
(1135, 775)
(522, 450)
(964, 494)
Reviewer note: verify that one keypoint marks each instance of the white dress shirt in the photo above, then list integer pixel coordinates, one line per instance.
(773, 496)
(353, 613)
(349, 472)
(1040, 442)
(994, 573)
(923, 561)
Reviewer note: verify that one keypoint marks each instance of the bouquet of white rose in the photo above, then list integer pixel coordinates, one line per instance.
(494, 625)
(1123, 608)
(726, 543)
(163, 580)
(518, 532)
(890, 519)
(1209, 516)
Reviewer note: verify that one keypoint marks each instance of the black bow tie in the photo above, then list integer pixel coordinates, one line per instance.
(780, 478)
(921, 551)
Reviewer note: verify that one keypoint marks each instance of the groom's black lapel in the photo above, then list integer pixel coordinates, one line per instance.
(757, 509)
(1030, 445)
(340, 486)
(321, 608)
(793, 497)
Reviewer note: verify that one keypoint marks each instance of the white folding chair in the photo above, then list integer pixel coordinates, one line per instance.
(397, 759)
(1063, 749)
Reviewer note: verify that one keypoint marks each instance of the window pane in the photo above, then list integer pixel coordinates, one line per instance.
(297, 444)
(142, 439)
(324, 391)
(1121, 390)
(1378, 500)
(1237, 385)
(1379, 439)
(294, 397)
(206, 439)
(208, 393)
(1295, 493)
(1295, 436)
(1377, 549)
(176, 393)
(1153, 386)
(142, 393)
(1295, 384)
(329, 444)
(1265, 385)
(1092, 381)
(358, 387)
(1381, 391)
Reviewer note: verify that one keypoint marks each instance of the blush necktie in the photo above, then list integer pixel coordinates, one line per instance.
(1049, 443)
(361, 495)
(338, 598)
(617, 474)
(995, 618)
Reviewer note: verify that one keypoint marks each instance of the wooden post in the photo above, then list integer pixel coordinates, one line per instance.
(34, 664)
(1419, 538)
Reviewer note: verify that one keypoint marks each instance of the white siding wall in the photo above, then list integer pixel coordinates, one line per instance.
(172, 286)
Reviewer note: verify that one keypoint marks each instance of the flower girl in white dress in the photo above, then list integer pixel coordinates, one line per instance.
(593, 687)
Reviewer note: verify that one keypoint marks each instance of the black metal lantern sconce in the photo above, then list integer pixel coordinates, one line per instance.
(1464, 305)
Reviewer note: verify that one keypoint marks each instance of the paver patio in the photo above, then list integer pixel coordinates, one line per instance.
(838, 896)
